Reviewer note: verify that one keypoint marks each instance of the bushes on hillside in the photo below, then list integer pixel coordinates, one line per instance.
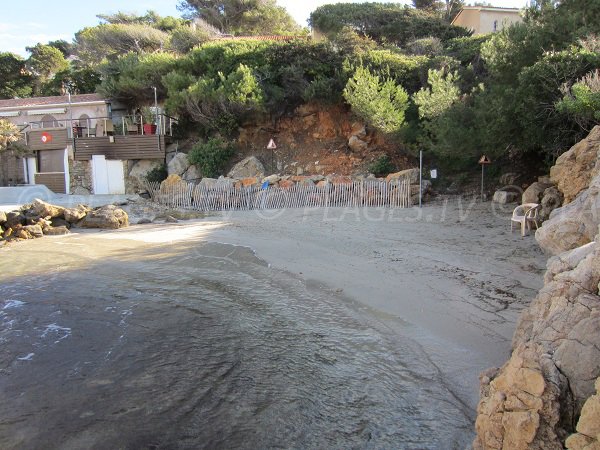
(379, 102)
(211, 156)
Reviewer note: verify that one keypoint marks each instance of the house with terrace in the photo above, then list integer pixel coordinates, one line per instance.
(82, 144)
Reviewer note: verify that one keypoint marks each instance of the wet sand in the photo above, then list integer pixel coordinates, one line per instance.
(338, 328)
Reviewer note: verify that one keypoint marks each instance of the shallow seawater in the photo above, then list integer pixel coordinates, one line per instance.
(203, 346)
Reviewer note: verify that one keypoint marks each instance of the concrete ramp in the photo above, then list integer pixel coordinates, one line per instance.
(18, 195)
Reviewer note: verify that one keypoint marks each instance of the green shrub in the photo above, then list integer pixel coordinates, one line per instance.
(211, 157)
(381, 166)
(381, 103)
(582, 101)
(157, 174)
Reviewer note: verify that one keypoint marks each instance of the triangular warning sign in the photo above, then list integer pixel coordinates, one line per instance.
(484, 160)
(271, 145)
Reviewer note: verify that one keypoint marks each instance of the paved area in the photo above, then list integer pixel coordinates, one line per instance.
(13, 197)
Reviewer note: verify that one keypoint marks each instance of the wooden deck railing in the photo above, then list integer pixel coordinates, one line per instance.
(149, 146)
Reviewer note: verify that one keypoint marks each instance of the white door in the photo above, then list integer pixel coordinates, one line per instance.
(116, 176)
(107, 176)
(30, 169)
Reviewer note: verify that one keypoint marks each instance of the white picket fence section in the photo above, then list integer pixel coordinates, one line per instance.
(227, 197)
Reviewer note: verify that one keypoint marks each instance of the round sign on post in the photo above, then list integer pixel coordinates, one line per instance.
(483, 161)
(271, 146)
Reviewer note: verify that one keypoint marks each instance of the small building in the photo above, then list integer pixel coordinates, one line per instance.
(486, 19)
(80, 144)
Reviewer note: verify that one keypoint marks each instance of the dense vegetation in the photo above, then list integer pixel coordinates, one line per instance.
(523, 94)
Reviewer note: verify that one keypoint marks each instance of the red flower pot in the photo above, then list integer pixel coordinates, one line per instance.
(149, 128)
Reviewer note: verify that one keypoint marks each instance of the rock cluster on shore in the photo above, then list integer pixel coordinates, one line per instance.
(544, 397)
(39, 218)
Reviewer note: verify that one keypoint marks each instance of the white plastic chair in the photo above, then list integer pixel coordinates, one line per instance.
(526, 214)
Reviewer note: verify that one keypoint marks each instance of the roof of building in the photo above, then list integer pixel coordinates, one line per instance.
(55, 100)
(491, 8)
(263, 38)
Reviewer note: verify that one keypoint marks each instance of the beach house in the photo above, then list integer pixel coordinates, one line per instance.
(486, 19)
(81, 144)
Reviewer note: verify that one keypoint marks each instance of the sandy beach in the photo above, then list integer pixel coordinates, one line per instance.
(451, 275)
(437, 290)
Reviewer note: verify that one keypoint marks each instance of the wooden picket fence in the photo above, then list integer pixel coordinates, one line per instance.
(227, 197)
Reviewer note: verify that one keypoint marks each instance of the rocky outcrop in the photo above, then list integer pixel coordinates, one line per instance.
(249, 167)
(535, 400)
(577, 175)
(575, 168)
(109, 216)
(574, 224)
(554, 363)
(588, 427)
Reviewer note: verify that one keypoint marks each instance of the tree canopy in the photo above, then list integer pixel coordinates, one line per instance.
(243, 17)
(15, 79)
(384, 22)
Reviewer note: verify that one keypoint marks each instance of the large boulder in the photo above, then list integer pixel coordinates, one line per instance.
(504, 197)
(247, 168)
(140, 171)
(192, 174)
(359, 130)
(42, 209)
(551, 200)
(14, 218)
(534, 193)
(35, 231)
(208, 182)
(575, 168)
(109, 216)
(412, 174)
(574, 224)
(2, 217)
(178, 165)
(75, 214)
(357, 145)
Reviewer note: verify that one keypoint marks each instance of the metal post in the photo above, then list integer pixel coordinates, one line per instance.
(420, 178)
(71, 115)
(156, 111)
(482, 173)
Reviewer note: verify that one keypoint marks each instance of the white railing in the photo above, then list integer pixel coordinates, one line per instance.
(106, 126)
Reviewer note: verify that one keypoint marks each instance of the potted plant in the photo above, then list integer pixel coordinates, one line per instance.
(149, 120)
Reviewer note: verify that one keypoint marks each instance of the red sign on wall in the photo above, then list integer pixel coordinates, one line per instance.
(46, 138)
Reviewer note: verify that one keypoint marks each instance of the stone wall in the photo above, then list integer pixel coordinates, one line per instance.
(11, 169)
(81, 177)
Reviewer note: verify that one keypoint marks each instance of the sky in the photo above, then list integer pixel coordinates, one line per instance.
(25, 23)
